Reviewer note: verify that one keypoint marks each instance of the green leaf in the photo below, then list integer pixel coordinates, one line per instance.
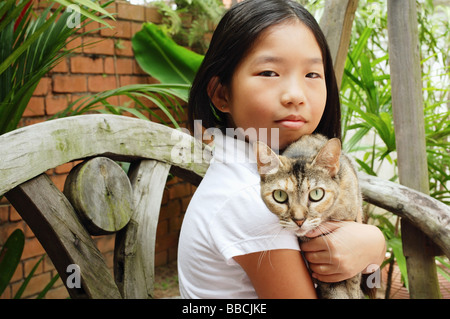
(48, 287)
(397, 249)
(159, 56)
(92, 5)
(27, 280)
(366, 167)
(28, 42)
(10, 257)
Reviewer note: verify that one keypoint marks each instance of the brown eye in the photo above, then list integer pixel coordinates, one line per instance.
(280, 196)
(316, 194)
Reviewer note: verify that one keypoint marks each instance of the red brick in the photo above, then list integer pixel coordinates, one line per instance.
(175, 224)
(59, 181)
(61, 67)
(161, 258)
(128, 11)
(180, 190)
(114, 100)
(93, 45)
(55, 103)
(105, 243)
(111, 8)
(81, 64)
(165, 242)
(173, 253)
(28, 232)
(48, 264)
(135, 27)
(7, 229)
(14, 216)
(29, 264)
(35, 285)
(99, 83)
(75, 44)
(69, 83)
(58, 292)
(93, 27)
(4, 213)
(35, 107)
(32, 248)
(172, 209)
(64, 168)
(163, 228)
(152, 15)
(124, 48)
(137, 68)
(121, 29)
(7, 294)
(118, 65)
(132, 79)
(43, 87)
(18, 274)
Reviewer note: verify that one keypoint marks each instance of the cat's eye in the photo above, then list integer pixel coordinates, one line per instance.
(280, 196)
(316, 194)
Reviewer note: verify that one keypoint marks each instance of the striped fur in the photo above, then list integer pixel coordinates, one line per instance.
(310, 167)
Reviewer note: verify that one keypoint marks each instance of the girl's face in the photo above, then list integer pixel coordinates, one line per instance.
(279, 84)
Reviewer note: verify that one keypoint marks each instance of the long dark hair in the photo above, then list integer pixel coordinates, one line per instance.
(232, 39)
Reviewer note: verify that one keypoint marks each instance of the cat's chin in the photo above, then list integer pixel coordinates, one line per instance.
(301, 232)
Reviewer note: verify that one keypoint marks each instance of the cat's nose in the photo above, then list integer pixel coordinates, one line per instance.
(299, 222)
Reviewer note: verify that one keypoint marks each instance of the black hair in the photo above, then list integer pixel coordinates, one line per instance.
(235, 34)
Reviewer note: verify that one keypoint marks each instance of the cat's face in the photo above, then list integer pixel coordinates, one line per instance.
(300, 192)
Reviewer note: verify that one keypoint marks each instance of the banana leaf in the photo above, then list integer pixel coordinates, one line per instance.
(29, 48)
(10, 257)
(159, 56)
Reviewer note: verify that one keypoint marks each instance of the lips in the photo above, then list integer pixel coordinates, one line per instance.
(292, 122)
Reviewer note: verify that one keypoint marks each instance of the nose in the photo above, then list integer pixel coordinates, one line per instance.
(293, 94)
(299, 222)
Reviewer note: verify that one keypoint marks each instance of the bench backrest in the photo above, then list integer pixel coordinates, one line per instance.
(99, 198)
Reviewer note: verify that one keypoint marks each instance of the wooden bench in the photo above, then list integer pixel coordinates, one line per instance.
(99, 198)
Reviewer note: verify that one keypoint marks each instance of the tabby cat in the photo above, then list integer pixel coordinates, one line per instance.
(310, 183)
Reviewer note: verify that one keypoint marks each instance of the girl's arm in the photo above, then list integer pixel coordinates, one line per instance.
(277, 274)
(348, 249)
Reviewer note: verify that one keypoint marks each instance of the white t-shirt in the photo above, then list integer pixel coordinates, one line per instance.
(226, 218)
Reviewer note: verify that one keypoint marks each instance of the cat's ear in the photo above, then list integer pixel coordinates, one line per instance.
(328, 156)
(267, 161)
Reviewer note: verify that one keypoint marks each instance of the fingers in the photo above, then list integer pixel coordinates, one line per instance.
(329, 278)
(325, 228)
(325, 262)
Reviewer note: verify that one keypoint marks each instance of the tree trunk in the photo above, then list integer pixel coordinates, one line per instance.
(407, 107)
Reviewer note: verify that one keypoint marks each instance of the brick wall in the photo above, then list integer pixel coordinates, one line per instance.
(106, 65)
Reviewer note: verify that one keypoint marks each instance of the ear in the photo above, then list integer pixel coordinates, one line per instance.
(267, 161)
(328, 156)
(218, 94)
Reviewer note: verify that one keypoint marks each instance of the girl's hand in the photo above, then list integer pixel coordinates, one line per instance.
(344, 250)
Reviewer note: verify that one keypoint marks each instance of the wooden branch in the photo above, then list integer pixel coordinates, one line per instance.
(101, 194)
(407, 107)
(135, 245)
(34, 149)
(426, 213)
(53, 220)
(336, 24)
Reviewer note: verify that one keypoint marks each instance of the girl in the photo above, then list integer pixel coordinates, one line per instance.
(267, 75)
